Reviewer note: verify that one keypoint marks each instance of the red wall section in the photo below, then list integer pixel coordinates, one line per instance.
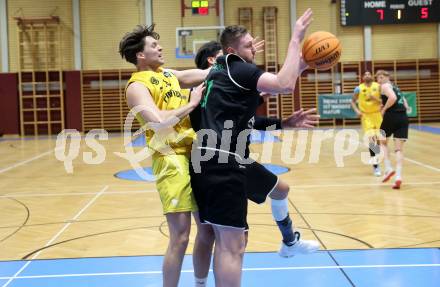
(72, 100)
(9, 109)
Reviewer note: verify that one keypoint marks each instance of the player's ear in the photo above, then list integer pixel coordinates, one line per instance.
(211, 61)
(230, 50)
(140, 55)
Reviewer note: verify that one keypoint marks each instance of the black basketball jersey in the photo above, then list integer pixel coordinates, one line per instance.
(228, 105)
(398, 105)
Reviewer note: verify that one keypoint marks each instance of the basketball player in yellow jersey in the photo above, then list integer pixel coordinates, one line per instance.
(366, 103)
(158, 91)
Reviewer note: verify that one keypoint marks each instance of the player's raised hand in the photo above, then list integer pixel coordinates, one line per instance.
(258, 45)
(301, 119)
(302, 24)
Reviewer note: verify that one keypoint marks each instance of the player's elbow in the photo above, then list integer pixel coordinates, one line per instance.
(288, 88)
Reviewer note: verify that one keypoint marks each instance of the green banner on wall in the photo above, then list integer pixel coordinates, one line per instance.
(338, 106)
(411, 98)
(335, 106)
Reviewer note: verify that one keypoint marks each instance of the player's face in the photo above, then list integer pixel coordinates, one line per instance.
(245, 48)
(381, 79)
(367, 77)
(152, 53)
(211, 60)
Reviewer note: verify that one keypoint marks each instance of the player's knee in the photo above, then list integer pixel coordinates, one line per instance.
(205, 235)
(180, 240)
(281, 190)
(180, 237)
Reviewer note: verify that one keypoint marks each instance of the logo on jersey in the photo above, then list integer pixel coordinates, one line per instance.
(154, 81)
(168, 84)
(171, 93)
(167, 74)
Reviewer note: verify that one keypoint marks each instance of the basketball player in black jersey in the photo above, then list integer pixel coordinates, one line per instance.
(395, 123)
(261, 183)
(229, 105)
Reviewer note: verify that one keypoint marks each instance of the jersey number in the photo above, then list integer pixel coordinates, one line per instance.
(208, 91)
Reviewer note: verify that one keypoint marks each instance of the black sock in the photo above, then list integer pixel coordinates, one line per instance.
(286, 229)
(373, 149)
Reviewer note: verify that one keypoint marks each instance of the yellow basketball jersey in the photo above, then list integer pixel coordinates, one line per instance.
(167, 95)
(367, 105)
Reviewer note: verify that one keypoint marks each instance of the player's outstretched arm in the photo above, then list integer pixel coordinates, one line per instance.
(190, 78)
(301, 119)
(391, 96)
(284, 81)
(139, 96)
(354, 100)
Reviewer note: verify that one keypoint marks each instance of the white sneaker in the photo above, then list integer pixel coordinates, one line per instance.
(377, 171)
(299, 247)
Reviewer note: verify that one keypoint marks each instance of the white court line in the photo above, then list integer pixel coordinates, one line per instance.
(405, 158)
(422, 164)
(25, 161)
(244, 269)
(57, 235)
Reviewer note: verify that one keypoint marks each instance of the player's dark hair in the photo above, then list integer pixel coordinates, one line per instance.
(230, 35)
(209, 49)
(134, 42)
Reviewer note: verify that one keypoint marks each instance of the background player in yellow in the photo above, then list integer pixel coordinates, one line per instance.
(158, 92)
(367, 103)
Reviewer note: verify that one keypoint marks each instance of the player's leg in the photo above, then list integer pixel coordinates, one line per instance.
(221, 195)
(174, 187)
(387, 128)
(398, 145)
(400, 136)
(202, 251)
(261, 183)
(179, 225)
(370, 124)
(292, 243)
(374, 149)
(228, 255)
(389, 171)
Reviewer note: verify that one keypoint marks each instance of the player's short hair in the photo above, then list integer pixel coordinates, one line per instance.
(230, 35)
(134, 42)
(209, 49)
(383, 73)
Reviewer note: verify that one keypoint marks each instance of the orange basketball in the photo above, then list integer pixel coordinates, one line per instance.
(321, 50)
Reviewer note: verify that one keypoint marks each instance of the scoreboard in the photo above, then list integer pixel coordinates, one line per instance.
(378, 12)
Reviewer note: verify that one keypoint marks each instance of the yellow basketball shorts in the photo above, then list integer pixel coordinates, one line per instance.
(174, 183)
(371, 122)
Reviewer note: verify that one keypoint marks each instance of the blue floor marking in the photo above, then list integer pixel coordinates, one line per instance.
(392, 276)
(9, 268)
(259, 269)
(131, 174)
(429, 129)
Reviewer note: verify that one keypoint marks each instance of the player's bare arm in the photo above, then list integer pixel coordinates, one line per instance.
(285, 80)
(139, 95)
(391, 96)
(190, 78)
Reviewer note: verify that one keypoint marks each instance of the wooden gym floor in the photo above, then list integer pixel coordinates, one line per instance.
(47, 213)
